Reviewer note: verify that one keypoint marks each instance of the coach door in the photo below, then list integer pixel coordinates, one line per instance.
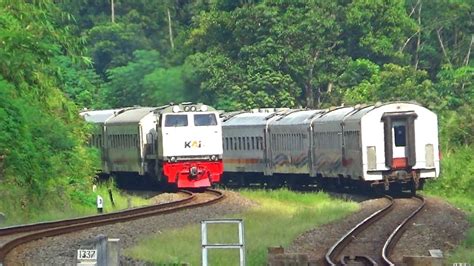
(399, 144)
(399, 140)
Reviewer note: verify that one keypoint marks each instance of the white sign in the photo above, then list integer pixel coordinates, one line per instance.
(100, 202)
(87, 254)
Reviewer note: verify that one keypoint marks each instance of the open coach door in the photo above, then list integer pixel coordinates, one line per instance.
(400, 149)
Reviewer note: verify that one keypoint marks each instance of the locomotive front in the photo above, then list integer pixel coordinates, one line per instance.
(189, 145)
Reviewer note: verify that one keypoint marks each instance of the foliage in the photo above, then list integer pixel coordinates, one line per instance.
(457, 172)
(376, 29)
(391, 83)
(113, 45)
(125, 87)
(41, 135)
(80, 83)
(259, 54)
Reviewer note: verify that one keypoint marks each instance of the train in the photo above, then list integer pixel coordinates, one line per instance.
(389, 146)
(177, 145)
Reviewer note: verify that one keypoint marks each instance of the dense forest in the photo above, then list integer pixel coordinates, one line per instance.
(60, 56)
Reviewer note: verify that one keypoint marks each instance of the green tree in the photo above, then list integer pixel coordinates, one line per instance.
(375, 30)
(271, 51)
(125, 87)
(394, 83)
(113, 44)
(41, 135)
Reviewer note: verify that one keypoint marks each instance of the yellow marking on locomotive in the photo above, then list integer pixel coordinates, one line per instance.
(192, 144)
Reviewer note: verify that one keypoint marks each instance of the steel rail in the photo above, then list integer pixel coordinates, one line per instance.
(58, 229)
(44, 225)
(398, 232)
(339, 246)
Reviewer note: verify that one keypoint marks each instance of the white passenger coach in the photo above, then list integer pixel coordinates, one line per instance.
(392, 144)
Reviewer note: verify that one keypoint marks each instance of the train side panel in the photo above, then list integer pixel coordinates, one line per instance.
(127, 141)
(290, 142)
(246, 143)
(244, 149)
(328, 144)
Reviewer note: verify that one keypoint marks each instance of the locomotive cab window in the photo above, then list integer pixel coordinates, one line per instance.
(176, 121)
(400, 136)
(205, 120)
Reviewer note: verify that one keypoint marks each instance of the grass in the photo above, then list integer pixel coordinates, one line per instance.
(56, 206)
(456, 185)
(279, 218)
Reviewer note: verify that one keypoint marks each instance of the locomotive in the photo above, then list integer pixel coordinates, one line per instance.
(179, 145)
(392, 145)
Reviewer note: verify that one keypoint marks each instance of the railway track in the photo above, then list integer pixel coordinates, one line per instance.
(371, 242)
(12, 237)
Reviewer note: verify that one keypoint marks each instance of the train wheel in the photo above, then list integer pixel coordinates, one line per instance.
(412, 188)
(273, 182)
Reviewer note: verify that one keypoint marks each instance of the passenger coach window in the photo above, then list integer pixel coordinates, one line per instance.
(205, 120)
(176, 121)
(400, 138)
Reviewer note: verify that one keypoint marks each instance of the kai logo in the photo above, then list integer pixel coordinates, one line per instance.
(192, 144)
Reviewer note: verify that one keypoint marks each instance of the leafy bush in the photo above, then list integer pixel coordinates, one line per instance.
(457, 172)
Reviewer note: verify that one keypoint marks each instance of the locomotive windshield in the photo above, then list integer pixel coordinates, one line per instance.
(176, 121)
(205, 120)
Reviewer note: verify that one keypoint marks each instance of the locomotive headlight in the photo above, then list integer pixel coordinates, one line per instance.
(173, 159)
(193, 108)
(204, 108)
(175, 109)
(186, 108)
(213, 158)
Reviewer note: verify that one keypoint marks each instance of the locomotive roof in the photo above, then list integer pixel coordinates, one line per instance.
(98, 116)
(131, 116)
(184, 107)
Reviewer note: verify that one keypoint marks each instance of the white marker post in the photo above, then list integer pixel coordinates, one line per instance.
(100, 204)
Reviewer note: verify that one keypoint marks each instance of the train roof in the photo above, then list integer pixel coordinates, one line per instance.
(247, 118)
(131, 115)
(297, 116)
(362, 110)
(98, 116)
(336, 114)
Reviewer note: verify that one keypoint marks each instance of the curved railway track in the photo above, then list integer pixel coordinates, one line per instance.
(342, 252)
(11, 237)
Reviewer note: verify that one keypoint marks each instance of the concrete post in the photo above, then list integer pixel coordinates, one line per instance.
(2, 217)
(107, 250)
(113, 252)
(101, 247)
